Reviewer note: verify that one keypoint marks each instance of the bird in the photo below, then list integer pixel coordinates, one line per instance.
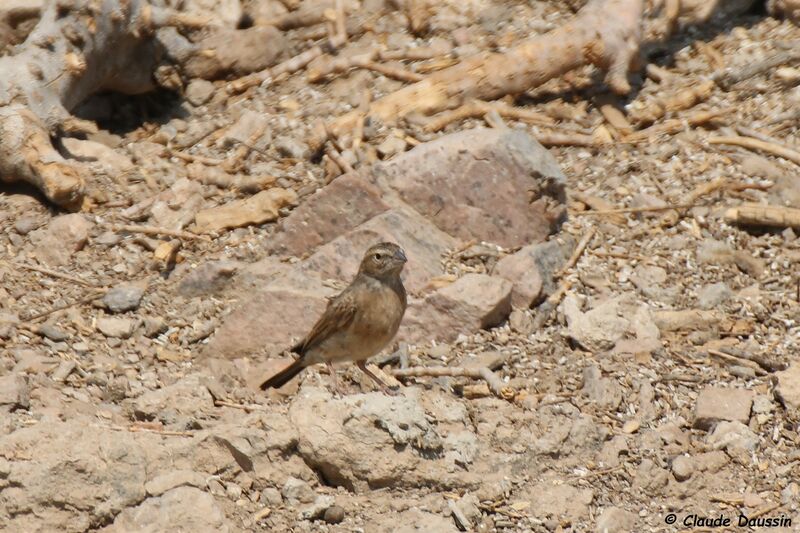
(357, 323)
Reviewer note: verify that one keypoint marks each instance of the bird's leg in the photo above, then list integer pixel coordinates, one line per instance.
(384, 387)
(336, 385)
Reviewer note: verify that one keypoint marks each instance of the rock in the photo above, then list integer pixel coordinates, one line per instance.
(271, 496)
(117, 327)
(711, 462)
(198, 92)
(339, 438)
(292, 147)
(785, 191)
(26, 224)
(616, 520)
(474, 301)
(411, 521)
(123, 298)
(559, 501)
(8, 324)
(233, 491)
(15, 393)
(272, 318)
(65, 368)
(531, 270)
(180, 509)
(686, 319)
(422, 242)
(231, 446)
(113, 163)
(613, 324)
(719, 253)
(208, 278)
(713, 295)
(226, 13)
(83, 475)
(788, 389)
(175, 208)
(316, 509)
(763, 404)
(650, 477)
(605, 392)
(334, 514)
(185, 399)
(237, 52)
(296, 491)
(643, 199)
(733, 435)
(499, 186)
(466, 511)
(790, 493)
(247, 126)
(682, 467)
(649, 280)
(391, 145)
(648, 276)
(60, 239)
(258, 209)
(760, 167)
(52, 332)
(345, 203)
(716, 404)
(154, 326)
(174, 478)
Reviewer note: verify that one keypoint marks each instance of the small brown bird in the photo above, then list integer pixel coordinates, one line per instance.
(359, 322)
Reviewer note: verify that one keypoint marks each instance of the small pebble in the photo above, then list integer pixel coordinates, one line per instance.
(123, 298)
(52, 332)
(334, 514)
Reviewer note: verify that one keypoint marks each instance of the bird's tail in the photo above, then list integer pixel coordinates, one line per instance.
(284, 376)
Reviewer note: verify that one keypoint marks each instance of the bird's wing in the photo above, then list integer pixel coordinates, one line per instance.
(337, 316)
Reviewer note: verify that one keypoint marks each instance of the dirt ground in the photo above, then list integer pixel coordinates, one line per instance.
(664, 380)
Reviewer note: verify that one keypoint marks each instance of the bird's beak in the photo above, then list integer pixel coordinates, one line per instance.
(400, 255)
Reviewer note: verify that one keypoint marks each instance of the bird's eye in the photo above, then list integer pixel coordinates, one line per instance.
(378, 256)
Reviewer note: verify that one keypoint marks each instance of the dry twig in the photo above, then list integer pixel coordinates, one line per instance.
(153, 230)
(51, 273)
(139, 429)
(733, 75)
(576, 254)
(764, 215)
(647, 209)
(491, 379)
(86, 299)
(287, 67)
(759, 145)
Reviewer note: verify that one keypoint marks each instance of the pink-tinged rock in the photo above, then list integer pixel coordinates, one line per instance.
(788, 389)
(492, 185)
(423, 243)
(472, 302)
(531, 270)
(61, 238)
(272, 319)
(715, 404)
(332, 211)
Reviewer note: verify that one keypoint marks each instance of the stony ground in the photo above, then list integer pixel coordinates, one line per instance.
(660, 375)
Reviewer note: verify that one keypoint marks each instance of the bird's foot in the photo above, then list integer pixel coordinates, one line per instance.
(338, 391)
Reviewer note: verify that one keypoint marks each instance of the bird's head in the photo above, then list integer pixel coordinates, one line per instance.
(383, 260)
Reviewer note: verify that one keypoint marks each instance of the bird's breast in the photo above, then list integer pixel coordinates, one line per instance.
(379, 311)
